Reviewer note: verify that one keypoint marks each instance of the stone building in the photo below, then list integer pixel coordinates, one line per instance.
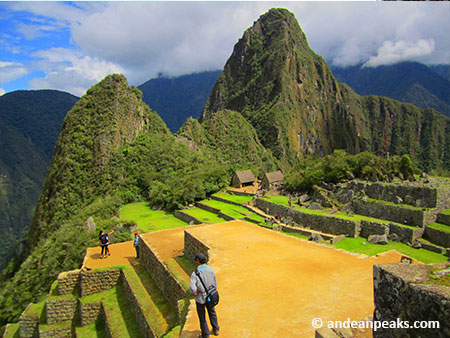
(272, 179)
(243, 178)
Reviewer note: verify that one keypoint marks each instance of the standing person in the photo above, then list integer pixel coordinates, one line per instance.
(136, 244)
(208, 278)
(104, 242)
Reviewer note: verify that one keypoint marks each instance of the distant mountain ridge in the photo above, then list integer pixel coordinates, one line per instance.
(407, 82)
(30, 122)
(178, 98)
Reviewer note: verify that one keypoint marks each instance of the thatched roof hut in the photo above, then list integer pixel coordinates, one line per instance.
(271, 179)
(243, 178)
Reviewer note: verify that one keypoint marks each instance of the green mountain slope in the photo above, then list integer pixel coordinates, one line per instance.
(178, 98)
(289, 95)
(30, 122)
(406, 81)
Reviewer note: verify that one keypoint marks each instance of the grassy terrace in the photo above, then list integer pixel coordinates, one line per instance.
(95, 330)
(234, 198)
(204, 216)
(445, 212)
(283, 200)
(13, 331)
(232, 210)
(149, 220)
(439, 226)
(361, 245)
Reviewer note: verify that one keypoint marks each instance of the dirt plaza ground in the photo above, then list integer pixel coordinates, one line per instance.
(270, 284)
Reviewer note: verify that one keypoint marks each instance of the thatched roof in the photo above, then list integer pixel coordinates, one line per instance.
(276, 176)
(245, 176)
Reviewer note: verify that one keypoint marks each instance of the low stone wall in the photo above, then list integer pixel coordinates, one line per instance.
(89, 312)
(98, 280)
(327, 224)
(59, 310)
(225, 201)
(405, 234)
(373, 228)
(136, 309)
(433, 247)
(207, 208)
(29, 326)
(169, 286)
(192, 246)
(186, 218)
(226, 217)
(60, 332)
(390, 212)
(438, 237)
(240, 193)
(443, 218)
(401, 292)
(420, 196)
(304, 232)
(68, 282)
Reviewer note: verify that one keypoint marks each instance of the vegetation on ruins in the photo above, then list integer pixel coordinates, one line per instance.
(339, 166)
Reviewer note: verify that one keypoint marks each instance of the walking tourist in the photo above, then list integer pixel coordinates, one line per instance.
(203, 284)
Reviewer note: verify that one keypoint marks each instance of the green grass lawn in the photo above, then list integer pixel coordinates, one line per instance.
(12, 331)
(445, 212)
(232, 210)
(234, 198)
(204, 216)
(439, 226)
(295, 235)
(362, 245)
(94, 330)
(149, 220)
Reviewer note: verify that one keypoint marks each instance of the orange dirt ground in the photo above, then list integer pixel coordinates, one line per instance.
(270, 284)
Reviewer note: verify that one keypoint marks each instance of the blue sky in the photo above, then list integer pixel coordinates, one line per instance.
(72, 45)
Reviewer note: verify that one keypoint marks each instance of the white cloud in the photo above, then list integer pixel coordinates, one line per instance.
(31, 32)
(10, 71)
(390, 52)
(2, 91)
(69, 70)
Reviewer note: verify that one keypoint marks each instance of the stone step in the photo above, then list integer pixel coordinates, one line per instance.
(308, 232)
(432, 247)
(444, 217)
(438, 233)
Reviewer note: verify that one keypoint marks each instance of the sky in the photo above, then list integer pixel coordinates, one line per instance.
(70, 46)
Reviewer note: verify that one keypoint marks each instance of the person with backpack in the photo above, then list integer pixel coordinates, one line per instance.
(203, 286)
(104, 242)
(136, 244)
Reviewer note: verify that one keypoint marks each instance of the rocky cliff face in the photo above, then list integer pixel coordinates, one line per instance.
(289, 95)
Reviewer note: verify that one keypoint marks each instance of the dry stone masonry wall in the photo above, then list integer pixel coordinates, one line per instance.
(192, 246)
(327, 224)
(169, 286)
(403, 291)
(59, 310)
(89, 312)
(68, 282)
(98, 280)
(186, 218)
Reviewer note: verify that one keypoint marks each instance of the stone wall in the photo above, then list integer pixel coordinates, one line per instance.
(107, 322)
(438, 237)
(326, 224)
(304, 232)
(192, 246)
(186, 218)
(241, 193)
(418, 196)
(401, 292)
(169, 286)
(405, 234)
(136, 309)
(207, 208)
(68, 282)
(96, 281)
(390, 212)
(443, 218)
(226, 217)
(28, 326)
(89, 312)
(59, 310)
(373, 228)
(59, 332)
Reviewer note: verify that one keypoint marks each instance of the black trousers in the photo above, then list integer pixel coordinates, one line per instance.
(137, 250)
(202, 316)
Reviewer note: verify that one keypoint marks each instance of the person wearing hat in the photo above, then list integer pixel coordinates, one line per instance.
(136, 244)
(197, 288)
